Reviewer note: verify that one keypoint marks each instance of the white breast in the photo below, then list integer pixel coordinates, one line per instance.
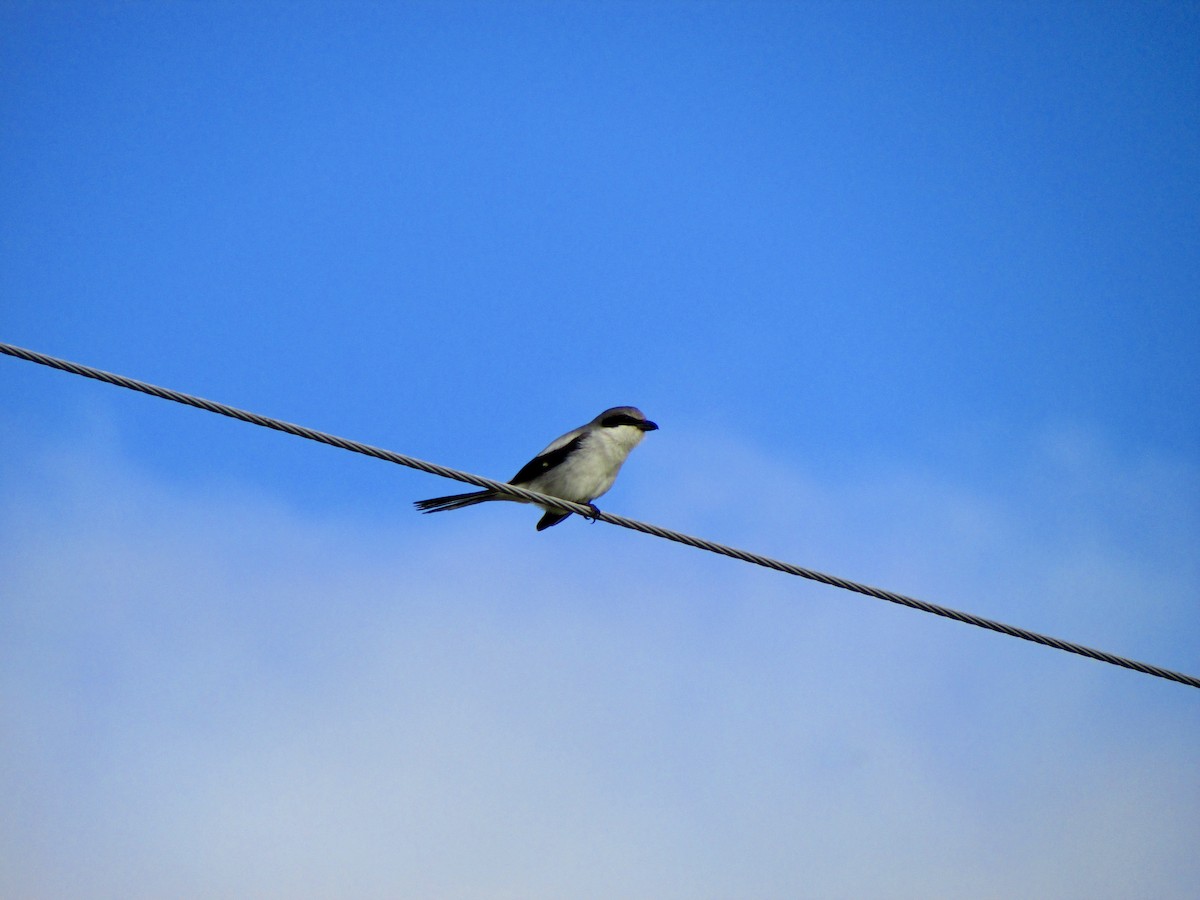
(590, 471)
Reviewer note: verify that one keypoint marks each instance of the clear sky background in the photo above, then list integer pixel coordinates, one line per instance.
(912, 290)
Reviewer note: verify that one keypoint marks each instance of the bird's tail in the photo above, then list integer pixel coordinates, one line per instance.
(453, 501)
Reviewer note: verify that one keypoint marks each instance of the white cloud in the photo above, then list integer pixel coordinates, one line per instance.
(216, 695)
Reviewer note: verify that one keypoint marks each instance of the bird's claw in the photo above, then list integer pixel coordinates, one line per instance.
(595, 512)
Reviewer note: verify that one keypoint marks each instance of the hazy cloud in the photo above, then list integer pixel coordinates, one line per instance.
(206, 693)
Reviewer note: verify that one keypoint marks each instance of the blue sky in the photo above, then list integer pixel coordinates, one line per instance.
(911, 289)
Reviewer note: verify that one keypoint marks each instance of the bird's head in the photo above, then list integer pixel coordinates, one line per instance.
(624, 416)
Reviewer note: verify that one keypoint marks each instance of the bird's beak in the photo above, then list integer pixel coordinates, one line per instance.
(647, 426)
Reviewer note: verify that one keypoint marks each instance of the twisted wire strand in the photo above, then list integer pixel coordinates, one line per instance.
(580, 509)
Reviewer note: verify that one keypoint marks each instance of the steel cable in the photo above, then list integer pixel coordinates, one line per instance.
(567, 506)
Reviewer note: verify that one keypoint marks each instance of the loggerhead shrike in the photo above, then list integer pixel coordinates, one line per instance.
(579, 466)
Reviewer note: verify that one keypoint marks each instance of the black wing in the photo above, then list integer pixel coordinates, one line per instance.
(551, 518)
(547, 461)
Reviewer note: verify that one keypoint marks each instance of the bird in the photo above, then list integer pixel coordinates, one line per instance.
(580, 466)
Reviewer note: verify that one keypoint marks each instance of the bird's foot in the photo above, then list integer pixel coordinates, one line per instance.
(595, 512)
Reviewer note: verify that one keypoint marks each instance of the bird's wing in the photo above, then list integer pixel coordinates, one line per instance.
(549, 458)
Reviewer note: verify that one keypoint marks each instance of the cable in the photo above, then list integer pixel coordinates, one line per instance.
(567, 506)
